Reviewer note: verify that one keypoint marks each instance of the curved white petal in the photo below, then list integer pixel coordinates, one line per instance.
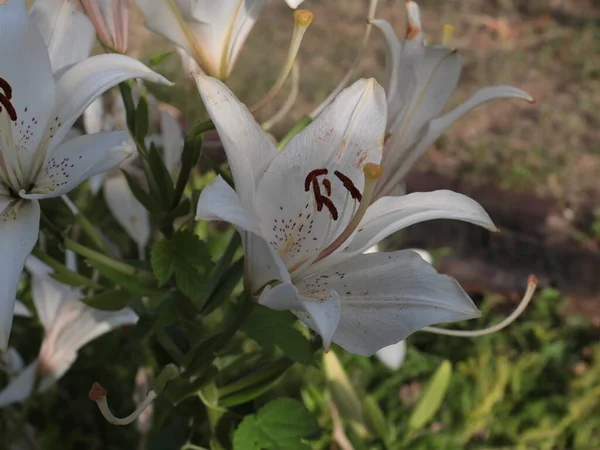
(436, 127)
(93, 117)
(249, 150)
(75, 326)
(173, 139)
(21, 310)
(387, 296)
(347, 135)
(28, 84)
(67, 32)
(393, 355)
(218, 201)
(48, 294)
(76, 160)
(11, 362)
(127, 210)
(20, 387)
(392, 57)
(390, 214)
(323, 316)
(19, 227)
(84, 82)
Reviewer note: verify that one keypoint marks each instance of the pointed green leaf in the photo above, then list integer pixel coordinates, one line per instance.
(433, 397)
(159, 58)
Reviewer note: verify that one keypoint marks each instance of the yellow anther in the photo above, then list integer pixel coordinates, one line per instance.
(372, 171)
(447, 32)
(303, 17)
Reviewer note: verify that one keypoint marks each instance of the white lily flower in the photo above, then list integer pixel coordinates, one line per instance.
(420, 81)
(393, 355)
(69, 324)
(111, 21)
(305, 218)
(212, 32)
(67, 32)
(37, 112)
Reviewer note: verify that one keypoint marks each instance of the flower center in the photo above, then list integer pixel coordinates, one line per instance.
(312, 181)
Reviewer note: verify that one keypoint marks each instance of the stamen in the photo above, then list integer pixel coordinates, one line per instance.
(312, 176)
(372, 173)
(332, 209)
(413, 30)
(289, 103)
(317, 193)
(327, 186)
(447, 32)
(302, 19)
(6, 88)
(531, 286)
(5, 99)
(348, 184)
(98, 394)
(357, 60)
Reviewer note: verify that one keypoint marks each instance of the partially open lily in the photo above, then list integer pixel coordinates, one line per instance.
(111, 21)
(306, 217)
(37, 111)
(212, 32)
(420, 81)
(69, 324)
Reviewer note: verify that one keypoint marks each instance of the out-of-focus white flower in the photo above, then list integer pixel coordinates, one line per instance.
(111, 21)
(211, 32)
(420, 81)
(37, 111)
(393, 355)
(67, 32)
(306, 217)
(69, 324)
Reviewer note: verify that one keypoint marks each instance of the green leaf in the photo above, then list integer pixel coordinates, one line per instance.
(159, 58)
(191, 263)
(126, 94)
(163, 261)
(342, 391)
(112, 300)
(374, 418)
(191, 249)
(140, 194)
(280, 425)
(133, 283)
(271, 329)
(432, 399)
(161, 175)
(141, 120)
(189, 280)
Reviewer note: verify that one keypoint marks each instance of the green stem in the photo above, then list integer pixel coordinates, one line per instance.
(297, 128)
(221, 268)
(62, 269)
(107, 261)
(201, 128)
(260, 375)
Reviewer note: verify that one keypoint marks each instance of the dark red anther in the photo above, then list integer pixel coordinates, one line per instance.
(327, 186)
(317, 194)
(349, 185)
(5, 100)
(312, 176)
(332, 209)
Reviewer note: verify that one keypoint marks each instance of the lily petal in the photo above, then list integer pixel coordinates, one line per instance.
(393, 52)
(390, 214)
(128, 211)
(21, 310)
(20, 387)
(25, 68)
(386, 297)
(19, 227)
(393, 355)
(67, 32)
(347, 135)
(436, 127)
(48, 294)
(76, 160)
(322, 316)
(84, 82)
(248, 148)
(218, 201)
(173, 139)
(293, 3)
